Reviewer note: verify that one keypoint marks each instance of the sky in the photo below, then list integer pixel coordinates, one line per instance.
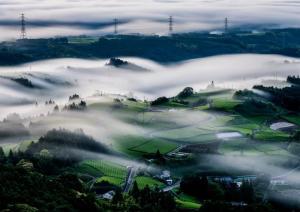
(47, 18)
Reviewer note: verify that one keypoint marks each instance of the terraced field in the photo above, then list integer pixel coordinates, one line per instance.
(152, 183)
(103, 171)
(137, 146)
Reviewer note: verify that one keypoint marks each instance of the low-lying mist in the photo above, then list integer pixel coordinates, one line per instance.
(58, 79)
(26, 89)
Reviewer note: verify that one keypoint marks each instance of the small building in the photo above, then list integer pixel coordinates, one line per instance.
(165, 175)
(109, 195)
(169, 181)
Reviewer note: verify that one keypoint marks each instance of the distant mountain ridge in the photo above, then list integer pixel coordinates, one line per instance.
(163, 49)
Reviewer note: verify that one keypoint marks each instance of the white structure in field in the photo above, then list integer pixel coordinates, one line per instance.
(109, 195)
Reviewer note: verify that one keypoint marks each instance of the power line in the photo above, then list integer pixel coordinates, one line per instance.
(170, 24)
(23, 26)
(226, 25)
(116, 26)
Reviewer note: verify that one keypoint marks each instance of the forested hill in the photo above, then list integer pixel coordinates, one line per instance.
(158, 48)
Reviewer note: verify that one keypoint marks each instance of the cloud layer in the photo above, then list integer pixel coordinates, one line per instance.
(63, 77)
(141, 16)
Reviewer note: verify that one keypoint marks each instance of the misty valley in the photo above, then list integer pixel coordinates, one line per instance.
(149, 106)
(130, 134)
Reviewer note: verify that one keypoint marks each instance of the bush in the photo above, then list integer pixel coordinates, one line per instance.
(187, 92)
(160, 101)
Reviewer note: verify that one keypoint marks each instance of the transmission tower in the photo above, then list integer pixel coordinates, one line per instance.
(226, 26)
(170, 24)
(116, 26)
(23, 26)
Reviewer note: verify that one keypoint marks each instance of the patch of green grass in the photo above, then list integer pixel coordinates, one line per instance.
(156, 144)
(184, 197)
(137, 106)
(186, 132)
(152, 183)
(242, 128)
(225, 104)
(112, 180)
(271, 135)
(203, 107)
(125, 144)
(238, 147)
(84, 168)
(261, 119)
(137, 145)
(293, 119)
(172, 104)
(98, 168)
(187, 204)
(108, 168)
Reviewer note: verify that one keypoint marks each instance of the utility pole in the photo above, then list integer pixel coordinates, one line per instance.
(170, 25)
(226, 26)
(116, 26)
(23, 27)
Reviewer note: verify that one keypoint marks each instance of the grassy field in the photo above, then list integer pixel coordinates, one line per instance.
(156, 144)
(112, 180)
(103, 171)
(267, 134)
(293, 119)
(223, 104)
(137, 146)
(152, 183)
(185, 201)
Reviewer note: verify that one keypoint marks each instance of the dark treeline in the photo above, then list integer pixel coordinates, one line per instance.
(226, 196)
(29, 190)
(287, 97)
(59, 149)
(60, 143)
(23, 187)
(159, 48)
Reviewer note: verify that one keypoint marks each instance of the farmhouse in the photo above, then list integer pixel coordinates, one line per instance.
(109, 195)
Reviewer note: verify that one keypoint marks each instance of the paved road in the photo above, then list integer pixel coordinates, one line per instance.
(169, 188)
(177, 149)
(129, 179)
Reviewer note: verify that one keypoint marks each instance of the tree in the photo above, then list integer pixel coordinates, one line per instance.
(56, 108)
(135, 192)
(160, 101)
(11, 157)
(2, 155)
(187, 92)
(158, 154)
(118, 197)
(296, 136)
(247, 192)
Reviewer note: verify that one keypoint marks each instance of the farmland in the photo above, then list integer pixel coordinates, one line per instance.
(103, 171)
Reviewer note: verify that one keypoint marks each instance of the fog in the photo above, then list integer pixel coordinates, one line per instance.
(96, 82)
(64, 17)
(58, 79)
